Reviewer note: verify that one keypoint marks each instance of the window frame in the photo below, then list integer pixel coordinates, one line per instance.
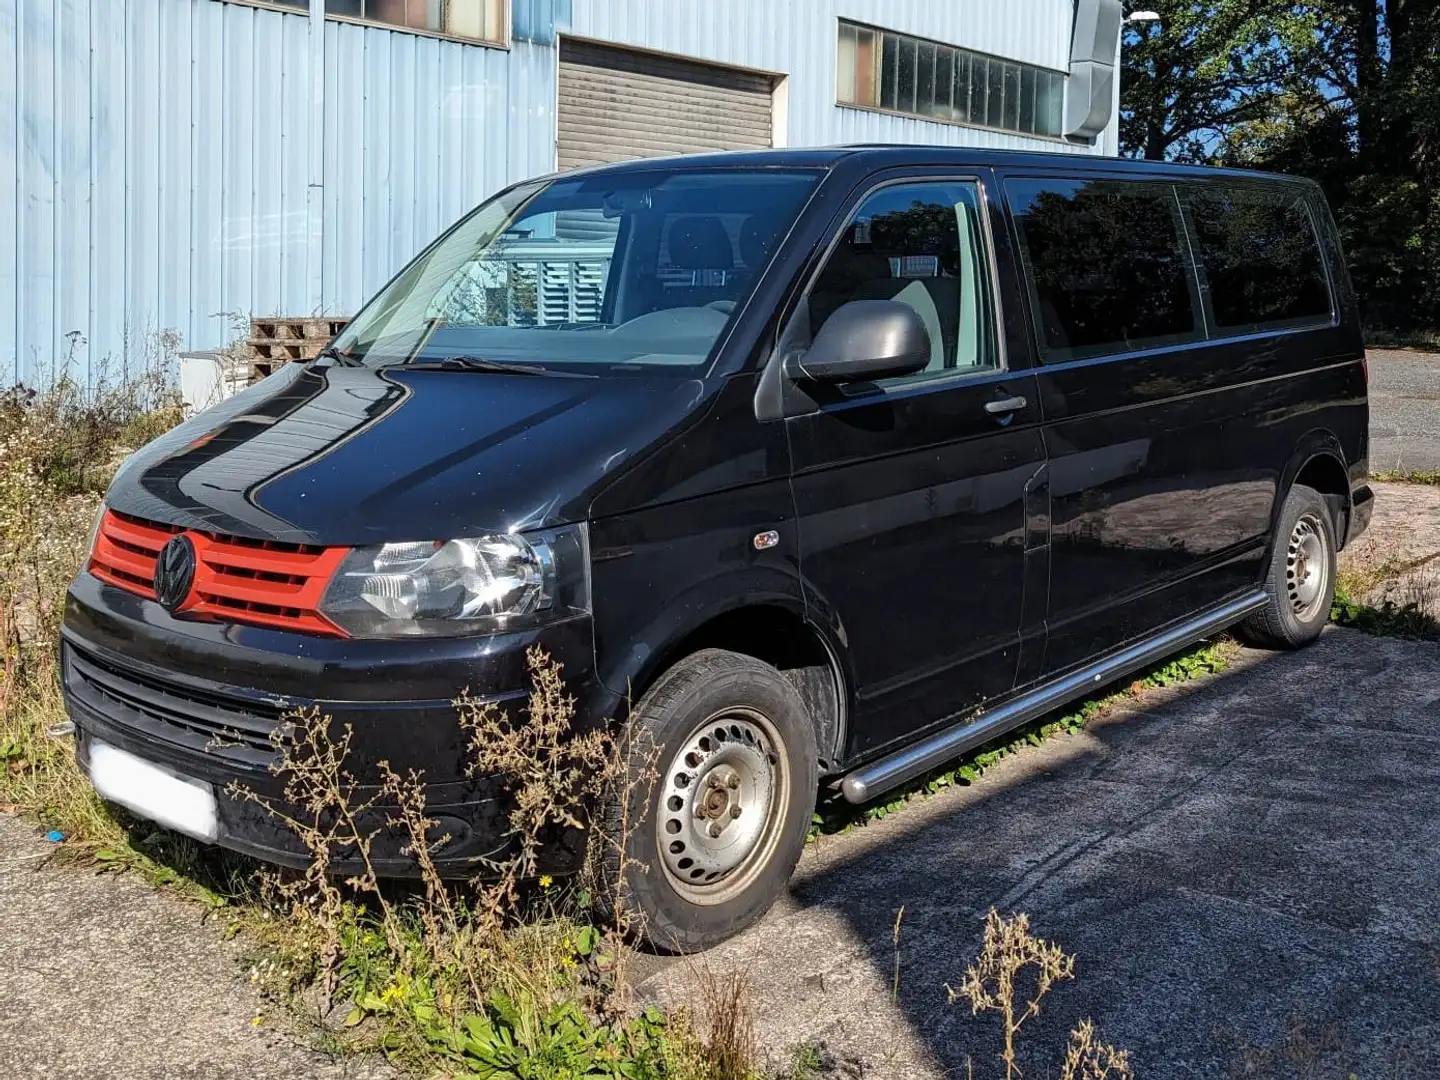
(1179, 183)
(1306, 199)
(1044, 354)
(957, 52)
(798, 310)
(282, 6)
(503, 42)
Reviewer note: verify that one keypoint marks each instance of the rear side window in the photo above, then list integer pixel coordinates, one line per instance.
(1260, 256)
(1107, 265)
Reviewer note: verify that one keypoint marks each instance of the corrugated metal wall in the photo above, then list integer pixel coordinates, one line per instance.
(798, 38)
(181, 164)
(160, 155)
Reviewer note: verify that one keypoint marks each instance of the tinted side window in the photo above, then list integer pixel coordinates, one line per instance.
(1107, 265)
(921, 244)
(1260, 255)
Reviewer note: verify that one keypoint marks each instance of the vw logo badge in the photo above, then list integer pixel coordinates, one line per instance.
(174, 572)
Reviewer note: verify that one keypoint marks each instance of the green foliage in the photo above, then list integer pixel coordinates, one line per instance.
(1346, 92)
(1406, 620)
(834, 815)
(1209, 67)
(1416, 476)
(517, 1040)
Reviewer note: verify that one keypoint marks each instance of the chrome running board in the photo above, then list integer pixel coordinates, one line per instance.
(889, 772)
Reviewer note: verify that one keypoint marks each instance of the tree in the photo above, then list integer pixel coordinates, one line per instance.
(1208, 67)
(1346, 92)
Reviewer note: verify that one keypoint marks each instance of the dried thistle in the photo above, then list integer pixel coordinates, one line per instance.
(989, 983)
(1088, 1059)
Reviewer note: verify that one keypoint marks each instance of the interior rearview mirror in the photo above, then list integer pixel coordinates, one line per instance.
(864, 340)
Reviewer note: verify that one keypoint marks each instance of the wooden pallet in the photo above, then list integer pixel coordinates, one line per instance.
(275, 342)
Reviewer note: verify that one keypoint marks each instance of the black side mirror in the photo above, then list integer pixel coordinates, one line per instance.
(864, 340)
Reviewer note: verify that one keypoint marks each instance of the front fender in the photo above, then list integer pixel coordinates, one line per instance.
(650, 645)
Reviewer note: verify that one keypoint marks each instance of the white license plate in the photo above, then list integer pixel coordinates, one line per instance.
(187, 806)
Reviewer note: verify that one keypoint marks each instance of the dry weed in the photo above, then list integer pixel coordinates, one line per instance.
(1008, 950)
(1086, 1058)
(727, 1026)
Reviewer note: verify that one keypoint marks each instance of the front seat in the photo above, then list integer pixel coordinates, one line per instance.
(701, 245)
(934, 297)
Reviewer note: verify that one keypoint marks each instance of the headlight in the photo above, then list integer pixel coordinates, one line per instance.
(476, 585)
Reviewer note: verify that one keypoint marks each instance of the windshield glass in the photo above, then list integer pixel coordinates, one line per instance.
(634, 271)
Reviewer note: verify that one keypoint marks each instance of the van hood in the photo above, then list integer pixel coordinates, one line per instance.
(347, 455)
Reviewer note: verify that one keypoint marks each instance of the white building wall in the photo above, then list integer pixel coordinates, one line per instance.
(797, 38)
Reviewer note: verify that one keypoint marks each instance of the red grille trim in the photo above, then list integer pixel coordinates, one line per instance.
(237, 579)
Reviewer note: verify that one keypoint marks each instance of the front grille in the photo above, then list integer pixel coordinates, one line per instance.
(229, 728)
(236, 579)
(125, 552)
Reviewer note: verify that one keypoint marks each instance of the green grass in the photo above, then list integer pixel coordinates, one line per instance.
(1404, 620)
(835, 815)
(1409, 476)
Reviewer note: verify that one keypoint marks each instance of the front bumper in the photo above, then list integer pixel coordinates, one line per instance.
(202, 700)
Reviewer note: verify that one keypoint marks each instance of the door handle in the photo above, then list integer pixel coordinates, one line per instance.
(1005, 405)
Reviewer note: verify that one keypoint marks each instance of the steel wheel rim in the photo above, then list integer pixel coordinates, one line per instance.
(734, 761)
(1307, 567)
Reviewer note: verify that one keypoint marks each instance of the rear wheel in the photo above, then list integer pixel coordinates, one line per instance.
(1300, 583)
(723, 775)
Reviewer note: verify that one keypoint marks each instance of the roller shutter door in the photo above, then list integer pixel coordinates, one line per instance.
(616, 104)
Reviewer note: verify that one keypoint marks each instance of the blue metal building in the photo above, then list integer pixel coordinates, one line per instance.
(183, 165)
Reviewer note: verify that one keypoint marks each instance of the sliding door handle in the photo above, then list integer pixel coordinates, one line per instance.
(1005, 405)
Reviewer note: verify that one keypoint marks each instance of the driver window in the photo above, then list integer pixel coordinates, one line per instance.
(920, 244)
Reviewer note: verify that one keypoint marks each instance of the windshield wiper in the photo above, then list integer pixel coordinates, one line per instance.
(343, 359)
(480, 363)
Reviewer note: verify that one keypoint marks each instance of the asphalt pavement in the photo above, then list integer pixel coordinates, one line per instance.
(1246, 869)
(1404, 410)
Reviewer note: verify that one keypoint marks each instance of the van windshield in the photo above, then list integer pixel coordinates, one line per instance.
(635, 271)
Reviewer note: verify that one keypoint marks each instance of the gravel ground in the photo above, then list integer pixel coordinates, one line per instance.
(1404, 410)
(1405, 532)
(103, 978)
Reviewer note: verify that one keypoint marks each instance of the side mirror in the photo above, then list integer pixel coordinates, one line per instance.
(864, 340)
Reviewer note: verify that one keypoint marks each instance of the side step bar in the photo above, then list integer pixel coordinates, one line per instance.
(879, 777)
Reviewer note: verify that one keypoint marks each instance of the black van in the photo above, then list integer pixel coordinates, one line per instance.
(819, 466)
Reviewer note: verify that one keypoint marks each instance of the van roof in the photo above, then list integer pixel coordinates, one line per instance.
(883, 155)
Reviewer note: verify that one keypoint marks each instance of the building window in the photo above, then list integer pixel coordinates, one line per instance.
(880, 69)
(478, 20)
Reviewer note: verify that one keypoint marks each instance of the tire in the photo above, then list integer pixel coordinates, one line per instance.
(718, 734)
(1300, 580)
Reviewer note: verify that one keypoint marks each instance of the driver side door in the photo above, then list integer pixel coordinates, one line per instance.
(921, 499)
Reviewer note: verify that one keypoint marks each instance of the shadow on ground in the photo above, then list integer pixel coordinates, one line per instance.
(1247, 870)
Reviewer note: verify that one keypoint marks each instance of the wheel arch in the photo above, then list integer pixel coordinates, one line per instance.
(1319, 463)
(771, 627)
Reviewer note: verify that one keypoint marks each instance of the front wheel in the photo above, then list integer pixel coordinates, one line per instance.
(723, 775)
(1300, 582)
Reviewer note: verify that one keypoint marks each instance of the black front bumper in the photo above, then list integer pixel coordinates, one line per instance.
(202, 701)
